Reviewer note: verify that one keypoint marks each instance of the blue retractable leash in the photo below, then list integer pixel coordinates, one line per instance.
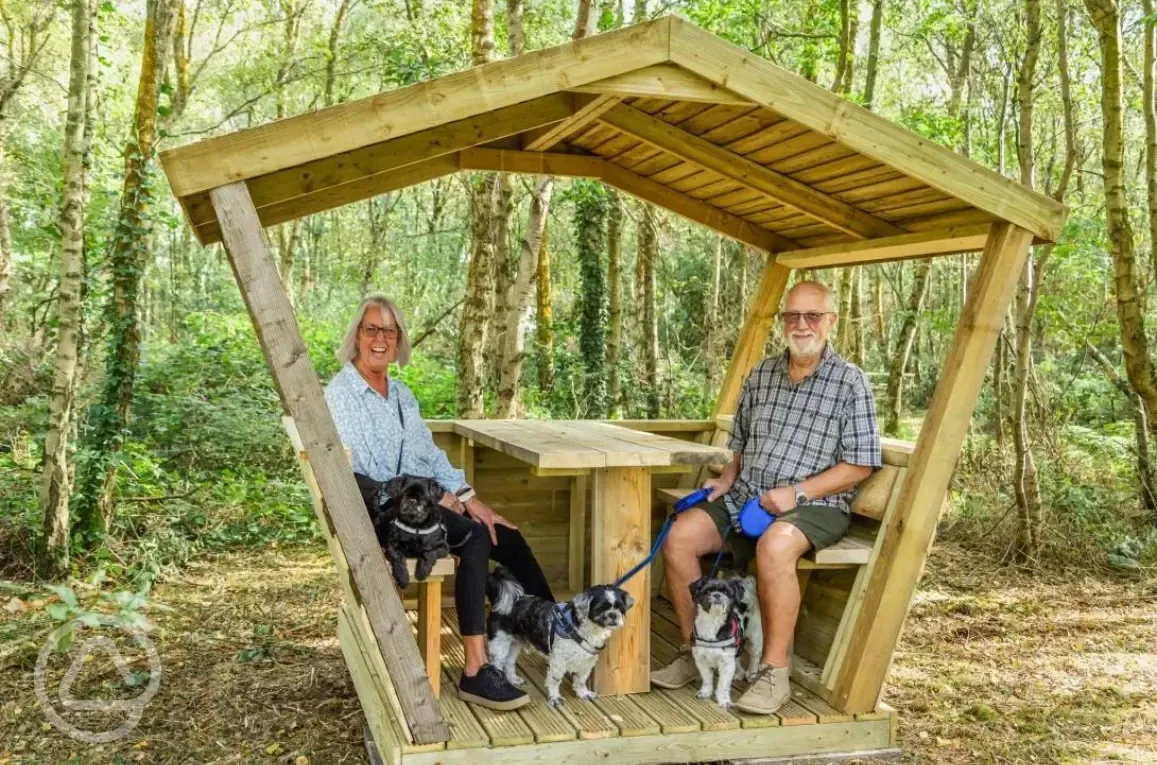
(753, 521)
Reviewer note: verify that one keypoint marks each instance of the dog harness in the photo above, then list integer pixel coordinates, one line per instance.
(733, 635)
(563, 624)
(431, 529)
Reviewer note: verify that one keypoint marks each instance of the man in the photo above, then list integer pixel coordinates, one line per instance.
(804, 435)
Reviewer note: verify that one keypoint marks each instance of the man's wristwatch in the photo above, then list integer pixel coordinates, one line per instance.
(801, 498)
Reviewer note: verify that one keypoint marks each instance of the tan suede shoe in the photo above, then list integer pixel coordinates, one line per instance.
(770, 691)
(678, 673)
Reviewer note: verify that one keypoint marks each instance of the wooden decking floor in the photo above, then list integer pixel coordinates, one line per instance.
(652, 716)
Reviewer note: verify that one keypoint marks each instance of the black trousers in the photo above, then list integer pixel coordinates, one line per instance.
(470, 541)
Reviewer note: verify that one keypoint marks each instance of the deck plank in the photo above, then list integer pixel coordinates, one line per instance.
(585, 716)
(465, 730)
(824, 711)
(630, 718)
(671, 717)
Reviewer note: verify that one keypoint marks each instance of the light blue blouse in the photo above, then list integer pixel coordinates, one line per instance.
(376, 428)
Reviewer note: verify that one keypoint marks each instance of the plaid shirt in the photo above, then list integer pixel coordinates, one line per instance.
(787, 432)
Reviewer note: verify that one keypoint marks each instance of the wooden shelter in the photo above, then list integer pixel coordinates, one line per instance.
(679, 118)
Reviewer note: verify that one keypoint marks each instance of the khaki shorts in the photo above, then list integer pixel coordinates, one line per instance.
(822, 525)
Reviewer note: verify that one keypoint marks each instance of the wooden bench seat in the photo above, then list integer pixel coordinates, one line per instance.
(853, 550)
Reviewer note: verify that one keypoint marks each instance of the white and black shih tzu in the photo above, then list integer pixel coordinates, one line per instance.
(408, 523)
(571, 635)
(727, 619)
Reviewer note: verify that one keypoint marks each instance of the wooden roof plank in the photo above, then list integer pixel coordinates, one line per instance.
(862, 130)
(694, 149)
(584, 114)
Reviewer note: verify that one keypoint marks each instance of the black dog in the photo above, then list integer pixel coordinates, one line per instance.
(408, 522)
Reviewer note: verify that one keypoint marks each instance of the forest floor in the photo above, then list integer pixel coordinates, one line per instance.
(995, 667)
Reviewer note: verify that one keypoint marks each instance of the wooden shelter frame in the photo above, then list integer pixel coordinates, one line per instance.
(595, 108)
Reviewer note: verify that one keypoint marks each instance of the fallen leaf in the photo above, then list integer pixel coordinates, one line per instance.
(301, 760)
(15, 606)
(273, 748)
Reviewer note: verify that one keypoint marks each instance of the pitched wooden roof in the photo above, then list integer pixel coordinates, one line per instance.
(664, 111)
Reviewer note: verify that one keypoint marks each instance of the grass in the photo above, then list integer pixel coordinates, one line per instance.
(994, 667)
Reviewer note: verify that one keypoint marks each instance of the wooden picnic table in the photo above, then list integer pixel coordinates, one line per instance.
(618, 462)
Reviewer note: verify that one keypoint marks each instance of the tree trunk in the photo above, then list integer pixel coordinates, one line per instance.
(54, 486)
(126, 263)
(544, 314)
(713, 325)
(1134, 341)
(614, 287)
(590, 238)
(518, 302)
(6, 261)
(331, 50)
(585, 20)
(895, 389)
(859, 354)
(478, 306)
(648, 246)
(873, 65)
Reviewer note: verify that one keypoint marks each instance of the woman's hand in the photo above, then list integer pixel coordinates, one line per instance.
(451, 502)
(487, 517)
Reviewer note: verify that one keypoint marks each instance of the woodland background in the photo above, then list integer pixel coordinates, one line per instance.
(139, 429)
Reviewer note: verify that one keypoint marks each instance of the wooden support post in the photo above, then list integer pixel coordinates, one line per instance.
(301, 394)
(909, 526)
(620, 538)
(430, 629)
(578, 533)
(753, 336)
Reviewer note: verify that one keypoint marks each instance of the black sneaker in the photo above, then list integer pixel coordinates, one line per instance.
(490, 689)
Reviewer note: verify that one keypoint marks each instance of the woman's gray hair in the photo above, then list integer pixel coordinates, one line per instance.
(349, 345)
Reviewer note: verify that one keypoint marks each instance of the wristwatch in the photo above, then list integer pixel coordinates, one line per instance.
(800, 497)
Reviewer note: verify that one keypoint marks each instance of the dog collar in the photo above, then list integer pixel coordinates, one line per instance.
(565, 625)
(733, 638)
(417, 532)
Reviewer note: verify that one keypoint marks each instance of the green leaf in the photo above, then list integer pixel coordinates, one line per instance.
(64, 592)
(58, 612)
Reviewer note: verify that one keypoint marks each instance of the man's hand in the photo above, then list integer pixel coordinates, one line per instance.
(778, 501)
(719, 486)
(452, 503)
(487, 517)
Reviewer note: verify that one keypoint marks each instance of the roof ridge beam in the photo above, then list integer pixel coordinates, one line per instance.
(699, 151)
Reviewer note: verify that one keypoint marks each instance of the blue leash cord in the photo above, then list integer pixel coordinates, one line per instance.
(681, 506)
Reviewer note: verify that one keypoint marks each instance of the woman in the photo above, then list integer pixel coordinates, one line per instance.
(377, 418)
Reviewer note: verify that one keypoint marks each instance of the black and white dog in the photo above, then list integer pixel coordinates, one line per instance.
(408, 522)
(726, 618)
(570, 635)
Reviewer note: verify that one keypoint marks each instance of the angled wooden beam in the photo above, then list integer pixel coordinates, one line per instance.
(731, 226)
(909, 526)
(294, 141)
(301, 395)
(749, 348)
(699, 151)
(584, 111)
(533, 162)
(583, 166)
(857, 128)
(324, 199)
(902, 247)
(666, 81)
(349, 167)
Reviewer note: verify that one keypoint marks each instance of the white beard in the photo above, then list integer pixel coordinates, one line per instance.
(804, 349)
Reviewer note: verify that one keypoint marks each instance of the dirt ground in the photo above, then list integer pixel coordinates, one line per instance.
(994, 668)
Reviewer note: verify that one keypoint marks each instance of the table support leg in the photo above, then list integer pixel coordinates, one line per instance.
(620, 538)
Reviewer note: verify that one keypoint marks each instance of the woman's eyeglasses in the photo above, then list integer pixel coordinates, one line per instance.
(372, 332)
(794, 317)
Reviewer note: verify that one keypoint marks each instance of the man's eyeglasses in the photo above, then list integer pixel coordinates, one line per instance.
(372, 332)
(794, 317)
